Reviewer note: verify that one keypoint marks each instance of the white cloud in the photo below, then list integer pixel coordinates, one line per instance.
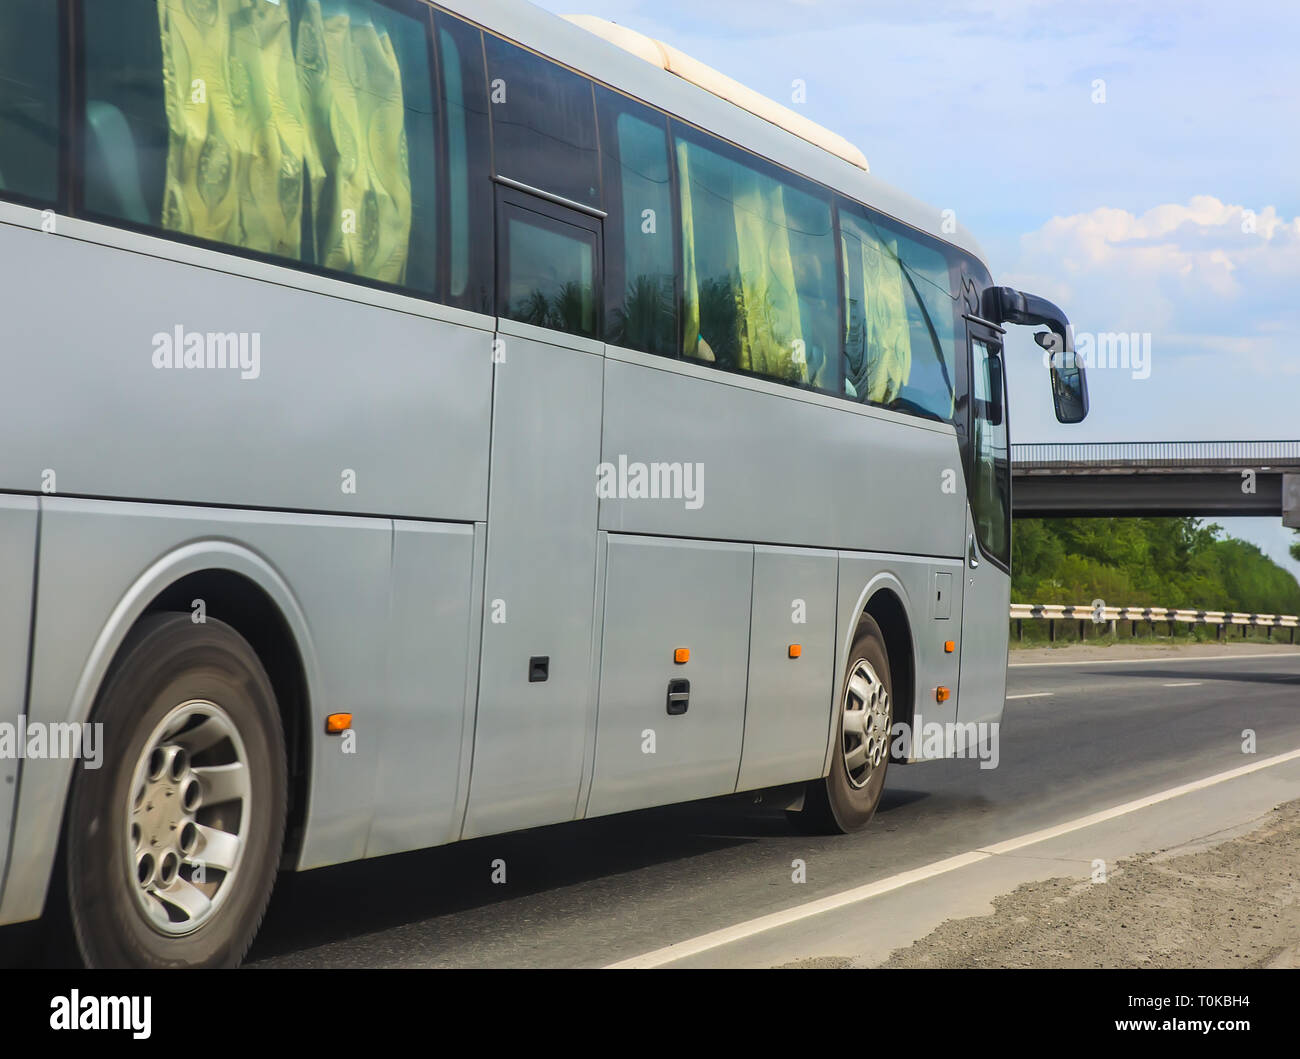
(1199, 274)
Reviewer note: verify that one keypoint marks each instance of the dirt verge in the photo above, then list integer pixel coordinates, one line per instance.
(1234, 904)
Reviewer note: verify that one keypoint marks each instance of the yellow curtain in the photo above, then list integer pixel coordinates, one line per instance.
(690, 274)
(357, 153)
(271, 134)
(200, 196)
(771, 324)
(769, 319)
(235, 144)
(889, 339)
(245, 117)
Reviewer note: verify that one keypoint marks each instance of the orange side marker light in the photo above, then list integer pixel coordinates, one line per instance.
(942, 694)
(682, 655)
(796, 650)
(338, 722)
(949, 646)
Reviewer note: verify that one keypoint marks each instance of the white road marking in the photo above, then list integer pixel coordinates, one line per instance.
(747, 929)
(1184, 684)
(1180, 658)
(1033, 695)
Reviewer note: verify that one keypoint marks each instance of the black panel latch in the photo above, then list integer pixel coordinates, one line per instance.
(679, 697)
(539, 668)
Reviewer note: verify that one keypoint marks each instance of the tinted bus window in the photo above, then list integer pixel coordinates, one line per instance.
(759, 268)
(549, 269)
(543, 124)
(900, 335)
(640, 255)
(469, 192)
(29, 100)
(303, 130)
(991, 486)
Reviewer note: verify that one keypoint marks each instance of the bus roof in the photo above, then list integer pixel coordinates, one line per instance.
(666, 57)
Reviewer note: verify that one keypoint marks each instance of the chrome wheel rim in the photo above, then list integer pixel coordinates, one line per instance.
(188, 814)
(866, 720)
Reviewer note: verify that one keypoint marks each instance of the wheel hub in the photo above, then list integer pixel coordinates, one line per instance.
(866, 720)
(187, 817)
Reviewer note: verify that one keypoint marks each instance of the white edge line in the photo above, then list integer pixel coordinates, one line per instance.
(1179, 658)
(1184, 684)
(716, 938)
(1033, 695)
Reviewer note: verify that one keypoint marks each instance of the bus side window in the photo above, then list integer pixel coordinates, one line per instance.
(29, 100)
(549, 270)
(640, 280)
(468, 202)
(760, 292)
(543, 124)
(300, 131)
(899, 343)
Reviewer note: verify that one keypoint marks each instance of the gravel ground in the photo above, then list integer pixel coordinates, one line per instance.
(1234, 904)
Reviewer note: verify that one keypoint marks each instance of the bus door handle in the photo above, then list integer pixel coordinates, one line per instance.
(972, 552)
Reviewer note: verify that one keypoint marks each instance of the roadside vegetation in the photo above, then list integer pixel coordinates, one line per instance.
(1162, 562)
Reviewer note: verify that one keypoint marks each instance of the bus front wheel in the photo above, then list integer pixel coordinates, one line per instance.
(174, 842)
(847, 798)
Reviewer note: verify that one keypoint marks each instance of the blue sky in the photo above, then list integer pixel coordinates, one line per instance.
(1139, 164)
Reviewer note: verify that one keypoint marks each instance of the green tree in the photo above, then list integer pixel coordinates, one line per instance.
(1168, 562)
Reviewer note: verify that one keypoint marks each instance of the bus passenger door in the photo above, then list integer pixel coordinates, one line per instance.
(987, 594)
(531, 725)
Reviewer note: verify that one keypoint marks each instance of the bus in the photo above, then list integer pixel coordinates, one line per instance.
(424, 421)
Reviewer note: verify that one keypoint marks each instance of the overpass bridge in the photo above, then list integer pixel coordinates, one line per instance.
(1112, 479)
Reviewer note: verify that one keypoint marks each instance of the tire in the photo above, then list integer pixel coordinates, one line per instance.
(845, 800)
(170, 856)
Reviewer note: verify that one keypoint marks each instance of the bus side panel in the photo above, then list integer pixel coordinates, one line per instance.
(347, 407)
(985, 644)
(531, 726)
(18, 515)
(661, 595)
(424, 716)
(781, 469)
(788, 705)
(914, 582)
(99, 557)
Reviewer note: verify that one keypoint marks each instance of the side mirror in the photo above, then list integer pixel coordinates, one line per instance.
(1069, 380)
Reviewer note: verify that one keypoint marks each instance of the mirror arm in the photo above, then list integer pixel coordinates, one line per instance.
(1006, 305)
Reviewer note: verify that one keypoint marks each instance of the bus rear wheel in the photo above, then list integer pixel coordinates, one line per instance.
(846, 799)
(174, 843)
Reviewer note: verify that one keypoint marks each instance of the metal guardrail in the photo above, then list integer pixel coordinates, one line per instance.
(1053, 612)
(1149, 454)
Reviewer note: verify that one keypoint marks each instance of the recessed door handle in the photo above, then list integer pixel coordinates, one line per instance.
(972, 552)
(679, 697)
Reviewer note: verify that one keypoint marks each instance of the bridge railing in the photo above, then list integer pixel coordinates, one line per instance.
(1087, 614)
(1154, 454)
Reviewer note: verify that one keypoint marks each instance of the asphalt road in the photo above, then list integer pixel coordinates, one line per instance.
(595, 892)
